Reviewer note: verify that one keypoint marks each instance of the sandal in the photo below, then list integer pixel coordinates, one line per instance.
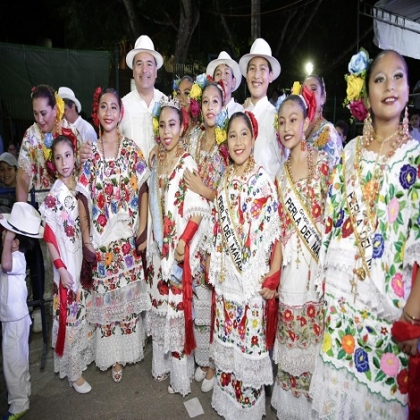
(117, 375)
(161, 378)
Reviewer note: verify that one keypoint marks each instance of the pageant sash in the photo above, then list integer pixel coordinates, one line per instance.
(301, 218)
(155, 206)
(363, 231)
(229, 230)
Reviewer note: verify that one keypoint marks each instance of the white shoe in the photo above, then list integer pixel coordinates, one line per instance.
(200, 374)
(82, 389)
(208, 384)
(37, 321)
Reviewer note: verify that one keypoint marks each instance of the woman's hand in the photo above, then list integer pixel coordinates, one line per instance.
(85, 152)
(180, 251)
(268, 294)
(193, 181)
(66, 278)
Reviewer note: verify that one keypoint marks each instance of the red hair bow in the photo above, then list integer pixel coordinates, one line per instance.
(254, 123)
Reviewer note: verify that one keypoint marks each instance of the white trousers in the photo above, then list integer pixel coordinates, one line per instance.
(15, 346)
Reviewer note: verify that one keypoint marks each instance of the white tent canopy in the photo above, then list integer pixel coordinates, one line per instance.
(396, 25)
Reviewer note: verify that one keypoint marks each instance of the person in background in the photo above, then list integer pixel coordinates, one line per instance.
(415, 122)
(8, 172)
(321, 133)
(226, 69)
(13, 149)
(23, 224)
(342, 130)
(260, 68)
(136, 123)
(72, 110)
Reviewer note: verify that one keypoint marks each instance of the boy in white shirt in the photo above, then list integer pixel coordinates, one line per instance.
(23, 223)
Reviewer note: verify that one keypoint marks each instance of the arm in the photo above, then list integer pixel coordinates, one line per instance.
(6, 256)
(152, 154)
(85, 226)
(180, 248)
(65, 276)
(275, 265)
(22, 186)
(143, 214)
(85, 151)
(195, 184)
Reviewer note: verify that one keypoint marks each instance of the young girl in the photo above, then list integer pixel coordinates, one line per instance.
(320, 133)
(370, 245)
(244, 270)
(179, 217)
(113, 216)
(211, 162)
(70, 333)
(302, 189)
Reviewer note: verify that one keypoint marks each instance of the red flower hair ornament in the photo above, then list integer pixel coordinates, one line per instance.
(254, 123)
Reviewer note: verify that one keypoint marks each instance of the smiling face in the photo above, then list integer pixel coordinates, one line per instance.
(388, 87)
(44, 114)
(170, 129)
(144, 72)
(109, 112)
(225, 73)
(258, 78)
(8, 174)
(64, 159)
(211, 104)
(292, 124)
(240, 140)
(183, 93)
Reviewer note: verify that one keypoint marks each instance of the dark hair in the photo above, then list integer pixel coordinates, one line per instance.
(186, 77)
(297, 99)
(61, 139)
(258, 56)
(374, 62)
(44, 91)
(219, 89)
(114, 92)
(25, 243)
(343, 125)
(70, 104)
(320, 81)
(178, 111)
(244, 117)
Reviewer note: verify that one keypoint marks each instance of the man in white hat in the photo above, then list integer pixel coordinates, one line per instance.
(138, 104)
(72, 110)
(260, 68)
(226, 69)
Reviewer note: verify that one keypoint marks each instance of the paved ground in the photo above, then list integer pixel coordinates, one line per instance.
(136, 397)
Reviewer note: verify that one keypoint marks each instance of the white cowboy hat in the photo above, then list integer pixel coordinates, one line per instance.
(67, 93)
(24, 220)
(225, 58)
(260, 48)
(143, 44)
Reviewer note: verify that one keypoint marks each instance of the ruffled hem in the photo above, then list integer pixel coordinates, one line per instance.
(253, 373)
(226, 407)
(290, 407)
(338, 395)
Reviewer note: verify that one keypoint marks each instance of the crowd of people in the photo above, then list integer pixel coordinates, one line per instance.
(255, 245)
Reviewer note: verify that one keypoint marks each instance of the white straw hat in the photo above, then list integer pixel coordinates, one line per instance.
(260, 48)
(67, 93)
(24, 219)
(143, 44)
(225, 58)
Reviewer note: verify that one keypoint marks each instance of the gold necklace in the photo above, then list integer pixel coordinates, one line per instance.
(118, 146)
(231, 171)
(316, 123)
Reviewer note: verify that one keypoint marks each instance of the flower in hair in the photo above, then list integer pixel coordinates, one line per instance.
(196, 92)
(175, 86)
(155, 119)
(95, 106)
(356, 84)
(60, 106)
(221, 126)
(296, 88)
